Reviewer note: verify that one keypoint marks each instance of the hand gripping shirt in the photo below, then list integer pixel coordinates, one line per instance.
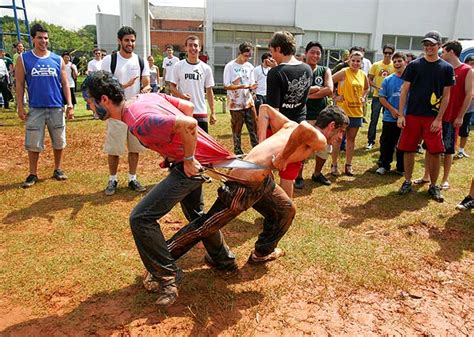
(152, 118)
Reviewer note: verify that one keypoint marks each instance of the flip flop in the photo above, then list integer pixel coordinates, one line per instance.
(277, 252)
(420, 181)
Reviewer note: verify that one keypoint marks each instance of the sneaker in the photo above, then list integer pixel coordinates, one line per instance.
(229, 267)
(58, 174)
(445, 186)
(461, 155)
(435, 193)
(135, 185)
(320, 178)
(381, 171)
(465, 204)
(152, 284)
(277, 252)
(334, 170)
(30, 181)
(348, 170)
(370, 146)
(419, 149)
(299, 183)
(111, 187)
(406, 188)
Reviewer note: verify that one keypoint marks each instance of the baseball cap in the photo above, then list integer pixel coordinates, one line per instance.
(433, 37)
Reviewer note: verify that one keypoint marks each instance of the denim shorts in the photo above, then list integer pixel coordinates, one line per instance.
(355, 122)
(36, 121)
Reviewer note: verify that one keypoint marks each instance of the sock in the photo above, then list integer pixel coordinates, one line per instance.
(132, 177)
(461, 150)
(113, 177)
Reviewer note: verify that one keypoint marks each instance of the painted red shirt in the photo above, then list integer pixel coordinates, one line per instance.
(152, 117)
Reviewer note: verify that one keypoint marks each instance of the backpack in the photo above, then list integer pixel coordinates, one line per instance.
(113, 65)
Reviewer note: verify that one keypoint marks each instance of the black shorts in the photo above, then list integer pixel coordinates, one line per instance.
(466, 125)
(449, 138)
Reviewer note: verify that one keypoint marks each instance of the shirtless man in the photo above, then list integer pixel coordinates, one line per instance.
(291, 142)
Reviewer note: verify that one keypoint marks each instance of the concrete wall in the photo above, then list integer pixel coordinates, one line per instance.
(135, 13)
(107, 27)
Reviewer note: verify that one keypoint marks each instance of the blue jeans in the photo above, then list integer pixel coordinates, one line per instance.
(151, 244)
(374, 119)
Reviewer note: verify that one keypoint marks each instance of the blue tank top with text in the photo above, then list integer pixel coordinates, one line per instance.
(43, 77)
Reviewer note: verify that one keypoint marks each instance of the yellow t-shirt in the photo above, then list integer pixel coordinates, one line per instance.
(379, 71)
(352, 89)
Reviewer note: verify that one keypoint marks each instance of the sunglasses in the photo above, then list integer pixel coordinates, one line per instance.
(388, 52)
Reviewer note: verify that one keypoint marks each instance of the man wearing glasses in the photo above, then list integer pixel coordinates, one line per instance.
(238, 81)
(427, 82)
(377, 73)
(96, 63)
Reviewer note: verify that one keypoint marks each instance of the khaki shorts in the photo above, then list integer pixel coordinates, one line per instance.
(322, 154)
(118, 139)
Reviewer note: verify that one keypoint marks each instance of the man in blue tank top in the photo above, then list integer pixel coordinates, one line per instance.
(45, 75)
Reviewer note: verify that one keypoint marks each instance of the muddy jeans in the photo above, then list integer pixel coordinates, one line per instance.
(238, 118)
(233, 198)
(151, 244)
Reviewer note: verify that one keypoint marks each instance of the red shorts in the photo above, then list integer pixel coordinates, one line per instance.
(292, 169)
(418, 128)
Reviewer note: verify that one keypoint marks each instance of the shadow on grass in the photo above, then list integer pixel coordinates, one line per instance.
(385, 207)
(45, 208)
(206, 301)
(456, 237)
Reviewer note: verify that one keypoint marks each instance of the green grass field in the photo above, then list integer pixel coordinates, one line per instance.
(68, 258)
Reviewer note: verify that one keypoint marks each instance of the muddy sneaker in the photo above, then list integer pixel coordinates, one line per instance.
(435, 193)
(152, 284)
(465, 204)
(299, 183)
(406, 188)
(58, 174)
(277, 252)
(320, 178)
(111, 187)
(30, 181)
(220, 266)
(169, 289)
(135, 185)
(381, 171)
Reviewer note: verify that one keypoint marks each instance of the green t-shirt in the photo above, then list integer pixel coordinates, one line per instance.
(315, 106)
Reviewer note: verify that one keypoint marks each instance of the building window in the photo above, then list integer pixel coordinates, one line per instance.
(224, 36)
(403, 42)
(344, 40)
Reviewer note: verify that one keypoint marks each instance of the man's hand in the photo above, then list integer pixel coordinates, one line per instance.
(394, 113)
(130, 82)
(279, 162)
(146, 90)
(70, 113)
(213, 118)
(436, 125)
(192, 167)
(22, 113)
(186, 97)
(458, 122)
(401, 121)
(253, 86)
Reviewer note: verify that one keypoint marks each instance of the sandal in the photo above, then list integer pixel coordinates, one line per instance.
(348, 170)
(420, 181)
(334, 170)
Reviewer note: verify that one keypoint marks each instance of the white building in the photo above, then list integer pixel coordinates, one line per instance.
(336, 24)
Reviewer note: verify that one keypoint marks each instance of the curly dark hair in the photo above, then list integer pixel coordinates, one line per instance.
(102, 83)
(126, 30)
(332, 113)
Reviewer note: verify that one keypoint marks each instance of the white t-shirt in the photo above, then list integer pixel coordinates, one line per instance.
(168, 64)
(3, 68)
(366, 64)
(241, 98)
(94, 65)
(127, 69)
(260, 74)
(193, 79)
(69, 68)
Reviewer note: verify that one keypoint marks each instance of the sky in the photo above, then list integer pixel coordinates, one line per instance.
(78, 13)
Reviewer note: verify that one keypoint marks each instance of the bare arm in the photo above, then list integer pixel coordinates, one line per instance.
(186, 127)
(401, 107)
(66, 91)
(210, 101)
(186, 107)
(339, 76)
(467, 99)
(303, 135)
(269, 116)
(146, 87)
(174, 90)
(372, 82)
(20, 88)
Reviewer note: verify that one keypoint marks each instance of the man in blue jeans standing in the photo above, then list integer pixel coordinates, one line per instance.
(45, 74)
(163, 124)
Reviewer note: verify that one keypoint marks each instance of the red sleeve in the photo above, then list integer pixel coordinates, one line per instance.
(173, 100)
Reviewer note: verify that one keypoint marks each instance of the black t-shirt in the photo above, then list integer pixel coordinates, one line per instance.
(287, 89)
(427, 81)
(315, 105)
